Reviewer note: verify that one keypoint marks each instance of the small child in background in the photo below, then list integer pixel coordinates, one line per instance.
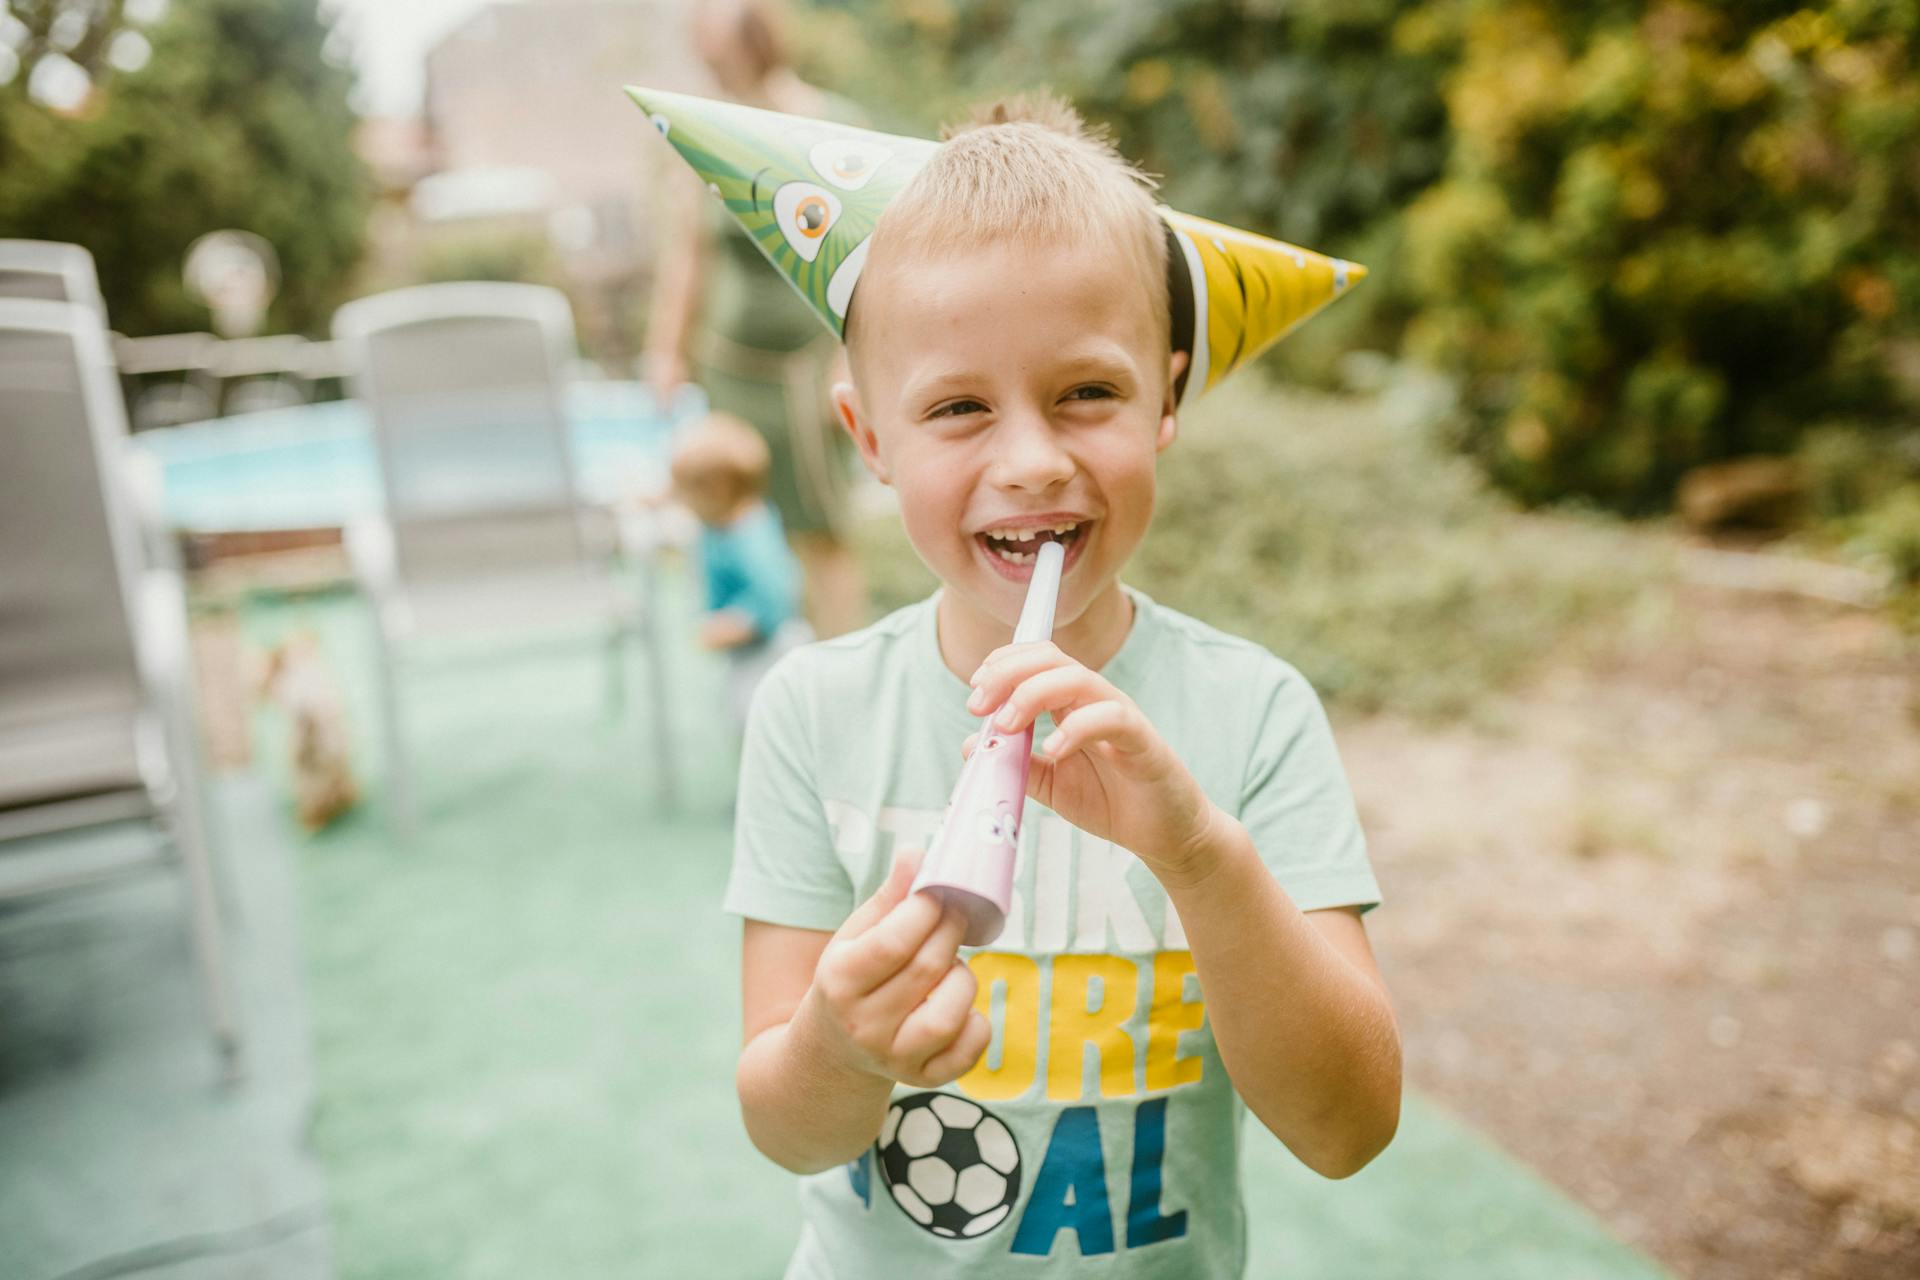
(752, 580)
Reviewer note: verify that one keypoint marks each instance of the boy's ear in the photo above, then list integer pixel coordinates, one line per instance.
(1169, 407)
(846, 404)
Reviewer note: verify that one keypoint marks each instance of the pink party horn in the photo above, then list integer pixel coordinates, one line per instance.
(970, 866)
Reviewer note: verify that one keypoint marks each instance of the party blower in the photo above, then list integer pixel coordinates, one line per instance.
(970, 866)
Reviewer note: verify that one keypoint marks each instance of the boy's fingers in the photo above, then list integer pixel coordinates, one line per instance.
(932, 1026)
(1007, 667)
(1058, 689)
(891, 893)
(895, 995)
(1113, 722)
(879, 955)
(957, 1058)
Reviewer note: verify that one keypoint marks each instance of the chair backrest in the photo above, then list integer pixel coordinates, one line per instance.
(463, 384)
(50, 272)
(69, 545)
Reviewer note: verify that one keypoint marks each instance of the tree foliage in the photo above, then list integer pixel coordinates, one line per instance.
(1639, 234)
(1669, 232)
(239, 119)
(1302, 119)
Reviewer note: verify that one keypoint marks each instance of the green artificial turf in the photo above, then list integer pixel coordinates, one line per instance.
(526, 1020)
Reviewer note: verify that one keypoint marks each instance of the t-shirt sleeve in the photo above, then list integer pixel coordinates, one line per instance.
(1296, 803)
(785, 870)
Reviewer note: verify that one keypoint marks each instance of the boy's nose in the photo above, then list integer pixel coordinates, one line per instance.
(1027, 454)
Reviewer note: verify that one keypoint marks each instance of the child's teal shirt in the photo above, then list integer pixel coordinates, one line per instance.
(1099, 1135)
(748, 567)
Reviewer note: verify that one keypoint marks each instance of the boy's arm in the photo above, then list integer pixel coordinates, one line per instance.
(832, 1020)
(1298, 1008)
(803, 1109)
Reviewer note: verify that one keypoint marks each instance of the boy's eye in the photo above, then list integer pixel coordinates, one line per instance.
(956, 408)
(1091, 392)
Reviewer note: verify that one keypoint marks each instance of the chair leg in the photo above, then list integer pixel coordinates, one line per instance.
(400, 803)
(189, 833)
(615, 693)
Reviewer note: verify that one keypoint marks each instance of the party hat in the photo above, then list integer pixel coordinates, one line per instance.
(809, 193)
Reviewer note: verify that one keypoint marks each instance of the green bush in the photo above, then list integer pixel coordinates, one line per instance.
(1302, 120)
(1353, 546)
(1889, 532)
(1850, 468)
(1668, 232)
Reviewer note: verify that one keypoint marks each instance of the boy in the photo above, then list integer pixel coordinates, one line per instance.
(1185, 931)
(719, 472)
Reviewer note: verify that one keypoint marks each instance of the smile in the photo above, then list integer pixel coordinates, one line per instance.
(1012, 551)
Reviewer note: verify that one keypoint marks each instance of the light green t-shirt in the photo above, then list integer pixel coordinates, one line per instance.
(1099, 1135)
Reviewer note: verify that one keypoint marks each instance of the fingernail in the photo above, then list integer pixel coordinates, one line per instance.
(976, 700)
(977, 673)
(1008, 714)
(1052, 743)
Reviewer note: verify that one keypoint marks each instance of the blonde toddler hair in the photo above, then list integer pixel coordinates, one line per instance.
(1026, 168)
(722, 447)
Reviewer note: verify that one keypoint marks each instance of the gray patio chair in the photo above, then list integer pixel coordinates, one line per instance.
(51, 272)
(484, 529)
(99, 757)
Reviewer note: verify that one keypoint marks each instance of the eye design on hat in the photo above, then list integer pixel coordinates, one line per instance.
(805, 213)
(848, 163)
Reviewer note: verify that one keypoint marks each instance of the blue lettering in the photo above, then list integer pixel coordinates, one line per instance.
(1070, 1191)
(1145, 1225)
(860, 1174)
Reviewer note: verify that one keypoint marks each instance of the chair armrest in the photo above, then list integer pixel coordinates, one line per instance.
(144, 483)
(374, 558)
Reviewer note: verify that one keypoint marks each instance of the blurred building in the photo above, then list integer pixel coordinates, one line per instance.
(529, 162)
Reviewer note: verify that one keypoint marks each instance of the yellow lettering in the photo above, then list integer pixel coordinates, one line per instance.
(1170, 1015)
(1016, 1035)
(1073, 1025)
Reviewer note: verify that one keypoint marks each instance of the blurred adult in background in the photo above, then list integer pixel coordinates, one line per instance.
(724, 317)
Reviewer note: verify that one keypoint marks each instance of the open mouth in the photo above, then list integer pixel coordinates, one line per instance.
(1013, 550)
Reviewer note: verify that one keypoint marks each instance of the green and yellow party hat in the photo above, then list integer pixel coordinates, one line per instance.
(809, 194)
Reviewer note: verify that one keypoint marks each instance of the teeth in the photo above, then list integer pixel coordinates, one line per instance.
(1016, 535)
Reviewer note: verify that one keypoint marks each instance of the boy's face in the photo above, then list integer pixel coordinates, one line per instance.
(1013, 390)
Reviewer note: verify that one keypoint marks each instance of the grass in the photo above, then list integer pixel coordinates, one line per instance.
(1334, 532)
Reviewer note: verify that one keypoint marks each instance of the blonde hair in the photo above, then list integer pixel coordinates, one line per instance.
(1027, 168)
(722, 447)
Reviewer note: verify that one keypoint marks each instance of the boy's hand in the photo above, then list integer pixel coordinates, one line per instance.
(890, 995)
(1105, 769)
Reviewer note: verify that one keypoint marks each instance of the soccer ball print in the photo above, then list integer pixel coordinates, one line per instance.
(951, 1165)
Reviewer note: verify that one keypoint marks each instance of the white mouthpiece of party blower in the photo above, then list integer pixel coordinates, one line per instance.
(970, 866)
(1043, 593)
